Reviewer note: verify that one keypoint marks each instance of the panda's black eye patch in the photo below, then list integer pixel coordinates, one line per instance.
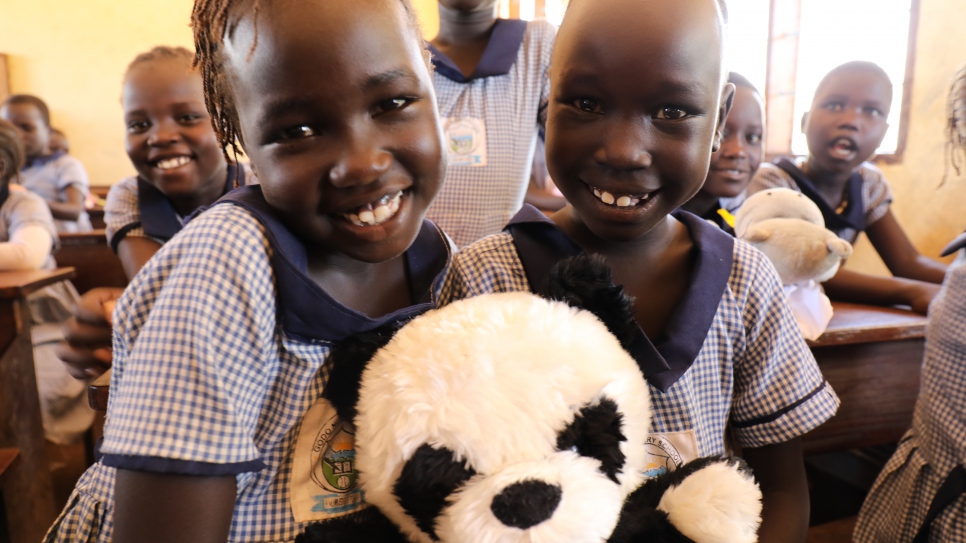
(427, 479)
(596, 433)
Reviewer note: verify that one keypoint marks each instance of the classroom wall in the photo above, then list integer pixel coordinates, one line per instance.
(74, 53)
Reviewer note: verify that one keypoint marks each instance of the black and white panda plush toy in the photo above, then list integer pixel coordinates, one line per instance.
(512, 418)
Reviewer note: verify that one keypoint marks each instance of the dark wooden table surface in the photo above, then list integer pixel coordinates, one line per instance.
(872, 358)
(26, 484)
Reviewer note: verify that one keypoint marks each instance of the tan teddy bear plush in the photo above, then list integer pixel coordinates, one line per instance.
(789, 229)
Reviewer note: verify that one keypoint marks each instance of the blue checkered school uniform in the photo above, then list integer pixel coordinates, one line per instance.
(49, 176)
(491, 121)
(220, 347)
(730, 357)
(867, 194)
(897, 505)
(138, 209)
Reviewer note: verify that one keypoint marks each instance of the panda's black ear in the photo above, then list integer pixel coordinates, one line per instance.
(585, 282)
(348, 359)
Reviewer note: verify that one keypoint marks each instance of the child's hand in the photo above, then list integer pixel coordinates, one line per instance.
(16, 188)
(921, 295)
(87, 350)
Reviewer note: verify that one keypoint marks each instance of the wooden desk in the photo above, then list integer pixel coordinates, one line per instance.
(872, 358)
(26, 485)
(94, 263)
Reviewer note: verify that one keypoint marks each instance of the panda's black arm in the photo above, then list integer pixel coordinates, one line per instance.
(367, 527)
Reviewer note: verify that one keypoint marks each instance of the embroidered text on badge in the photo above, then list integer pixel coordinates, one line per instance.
(324, 478)
(669, 451)
(465, 141)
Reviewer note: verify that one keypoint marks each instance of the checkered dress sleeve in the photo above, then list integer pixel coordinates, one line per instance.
(876, 194)
(71, 173)
(121, 213)
(545, 54)
(769, 176)
(779, 392)
(489, 265)
(24, 208)
(194, 339)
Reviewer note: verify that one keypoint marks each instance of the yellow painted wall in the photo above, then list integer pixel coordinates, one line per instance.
(931, 214)
(73, 55)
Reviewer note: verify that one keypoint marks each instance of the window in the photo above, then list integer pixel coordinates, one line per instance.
(784, 47)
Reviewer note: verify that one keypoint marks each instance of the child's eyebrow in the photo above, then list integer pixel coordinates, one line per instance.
(388, 76)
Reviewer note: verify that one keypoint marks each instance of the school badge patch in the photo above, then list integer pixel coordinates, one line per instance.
(324, 478)
(667, 452)
(465, 141)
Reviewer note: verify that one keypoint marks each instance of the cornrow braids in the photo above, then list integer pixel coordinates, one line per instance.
(11, 153)
(956, 123)
(162, 52)
(211, 20)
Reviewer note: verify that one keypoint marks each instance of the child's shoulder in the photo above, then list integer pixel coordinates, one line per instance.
(25, 206)
(122, 191)
(226, 234)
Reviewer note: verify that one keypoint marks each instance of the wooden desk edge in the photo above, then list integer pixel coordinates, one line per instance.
(17, 284)
(855, 323)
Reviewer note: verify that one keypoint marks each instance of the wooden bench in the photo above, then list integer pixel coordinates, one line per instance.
(25, 482)
(89, 254)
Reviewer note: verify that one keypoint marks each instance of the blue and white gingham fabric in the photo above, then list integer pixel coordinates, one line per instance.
(899, 500)
(754, 372)
(876, 194)
(50, 176)
(476, 201)
(205, 381)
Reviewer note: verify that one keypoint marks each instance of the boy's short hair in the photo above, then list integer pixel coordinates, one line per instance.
(29, 99)
(854, 66)
(162, 52)
(211, 20)
(11, 152)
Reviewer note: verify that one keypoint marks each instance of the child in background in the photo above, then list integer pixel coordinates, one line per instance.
(180, 166)
(907, 502)
(736, 162)
(637, 106)
(58, 178)
(27, 236)
(844, 127)
(492, 84)
(221, 340)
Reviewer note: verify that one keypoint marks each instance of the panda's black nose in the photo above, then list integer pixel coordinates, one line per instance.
(525, 504)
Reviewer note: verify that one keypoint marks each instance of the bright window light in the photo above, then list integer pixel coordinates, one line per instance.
(831, 34)
(746, 45)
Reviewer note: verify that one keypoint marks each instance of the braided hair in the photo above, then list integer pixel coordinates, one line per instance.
(211, 21)
(162, 52)
(956, 123)
(11, 153)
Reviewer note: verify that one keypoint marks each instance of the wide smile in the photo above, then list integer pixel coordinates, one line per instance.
(169, 164)
(614, 199)
(731, 174)
(375, 213)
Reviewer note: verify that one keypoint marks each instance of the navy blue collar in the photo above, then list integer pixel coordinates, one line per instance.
(305, 310)
(955, 245)
(42, 160)
(159, 219)
(714, 216)
(499, 56)
(853, 216)
(540, 244)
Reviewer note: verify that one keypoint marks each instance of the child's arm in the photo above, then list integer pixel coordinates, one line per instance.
(898, 253)
(780, 472)
(71, 208)
(850, 286)
(27, 249)
(134, 252)
(165, 508)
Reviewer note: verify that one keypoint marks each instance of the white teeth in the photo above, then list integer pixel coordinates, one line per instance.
(597, 193)
(619, 201)
(624, 201)
(377, 212)
(606, 197)
(175, 162)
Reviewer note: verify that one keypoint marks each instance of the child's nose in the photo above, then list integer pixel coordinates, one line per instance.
(362, 163)
(734, 146)
(163, 134)
(850, 117)
(624, 147)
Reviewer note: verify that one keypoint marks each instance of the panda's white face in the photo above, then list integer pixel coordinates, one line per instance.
(502, 418)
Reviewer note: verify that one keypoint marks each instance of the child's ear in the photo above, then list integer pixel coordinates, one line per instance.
(805, 120)
(727, 100)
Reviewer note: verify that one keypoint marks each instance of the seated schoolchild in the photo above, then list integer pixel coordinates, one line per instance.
(735, 163)
(844, 126)
(58, 141)
(58, 178)
(180, 166)
(920, 496)
(637, 106)
(217, 411)
(491, 81)
(27, 236)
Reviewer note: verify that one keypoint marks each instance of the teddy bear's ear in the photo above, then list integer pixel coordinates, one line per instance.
(347, 360)
(585, 282)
